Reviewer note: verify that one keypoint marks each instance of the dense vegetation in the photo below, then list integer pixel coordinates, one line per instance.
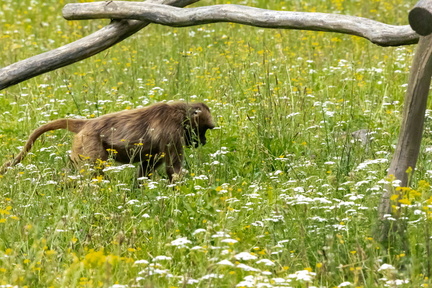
(282, 195)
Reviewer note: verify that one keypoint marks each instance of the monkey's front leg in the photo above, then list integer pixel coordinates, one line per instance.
(173, 162)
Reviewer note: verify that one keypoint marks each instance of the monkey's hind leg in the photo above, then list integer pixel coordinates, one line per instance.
(147, 167)
(88, 149)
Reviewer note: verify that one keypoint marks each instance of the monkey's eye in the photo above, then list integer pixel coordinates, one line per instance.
(197, 111)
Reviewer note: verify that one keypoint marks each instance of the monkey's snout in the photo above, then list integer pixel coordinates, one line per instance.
(201, 142)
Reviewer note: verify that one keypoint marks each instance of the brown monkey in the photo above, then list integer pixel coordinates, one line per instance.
(151, 135)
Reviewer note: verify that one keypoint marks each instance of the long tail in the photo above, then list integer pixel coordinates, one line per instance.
(73, 125)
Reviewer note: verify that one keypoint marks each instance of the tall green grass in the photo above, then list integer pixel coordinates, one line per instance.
(281, 196)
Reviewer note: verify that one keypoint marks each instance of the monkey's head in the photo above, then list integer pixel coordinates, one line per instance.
(198, 121)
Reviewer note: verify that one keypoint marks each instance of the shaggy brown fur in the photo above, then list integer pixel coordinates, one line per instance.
(151, 135)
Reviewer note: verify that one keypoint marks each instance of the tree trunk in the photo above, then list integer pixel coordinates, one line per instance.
(410, 135)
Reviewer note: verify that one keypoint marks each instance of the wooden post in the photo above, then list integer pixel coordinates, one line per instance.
(420, 17)
(410, 135)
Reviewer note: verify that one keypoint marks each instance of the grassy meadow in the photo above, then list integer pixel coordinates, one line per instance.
(281, 196)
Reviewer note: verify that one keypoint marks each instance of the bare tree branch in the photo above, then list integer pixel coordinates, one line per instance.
(376, 32)
(81, 49)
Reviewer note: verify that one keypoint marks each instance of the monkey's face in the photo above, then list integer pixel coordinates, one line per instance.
(200, 121)
(202, 135)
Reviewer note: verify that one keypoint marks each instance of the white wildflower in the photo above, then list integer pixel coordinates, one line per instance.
(161, 257)
(132, 202)
(200, 177)
(225, 262)
(220, 234)
(181, 242)
(247, 268)
(197, 248)
(245, 256)
(387, 267)
(366, 163)
(198, 231)
(117, 168)
(299, 189)
(280, 280)
(389, 217)
(248, 281)
(303, 275)
(192, 281)
(396, 282)
(266, 262)
(222, 151)
(153, 185)
(231, 241)
(292, 115)
(213, 275)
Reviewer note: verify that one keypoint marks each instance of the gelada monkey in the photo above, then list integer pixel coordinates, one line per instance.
(151, 135)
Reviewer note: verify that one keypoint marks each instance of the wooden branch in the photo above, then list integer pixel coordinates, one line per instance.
(420, 17)
(408, 147)
(81, 49)
(376, 32)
